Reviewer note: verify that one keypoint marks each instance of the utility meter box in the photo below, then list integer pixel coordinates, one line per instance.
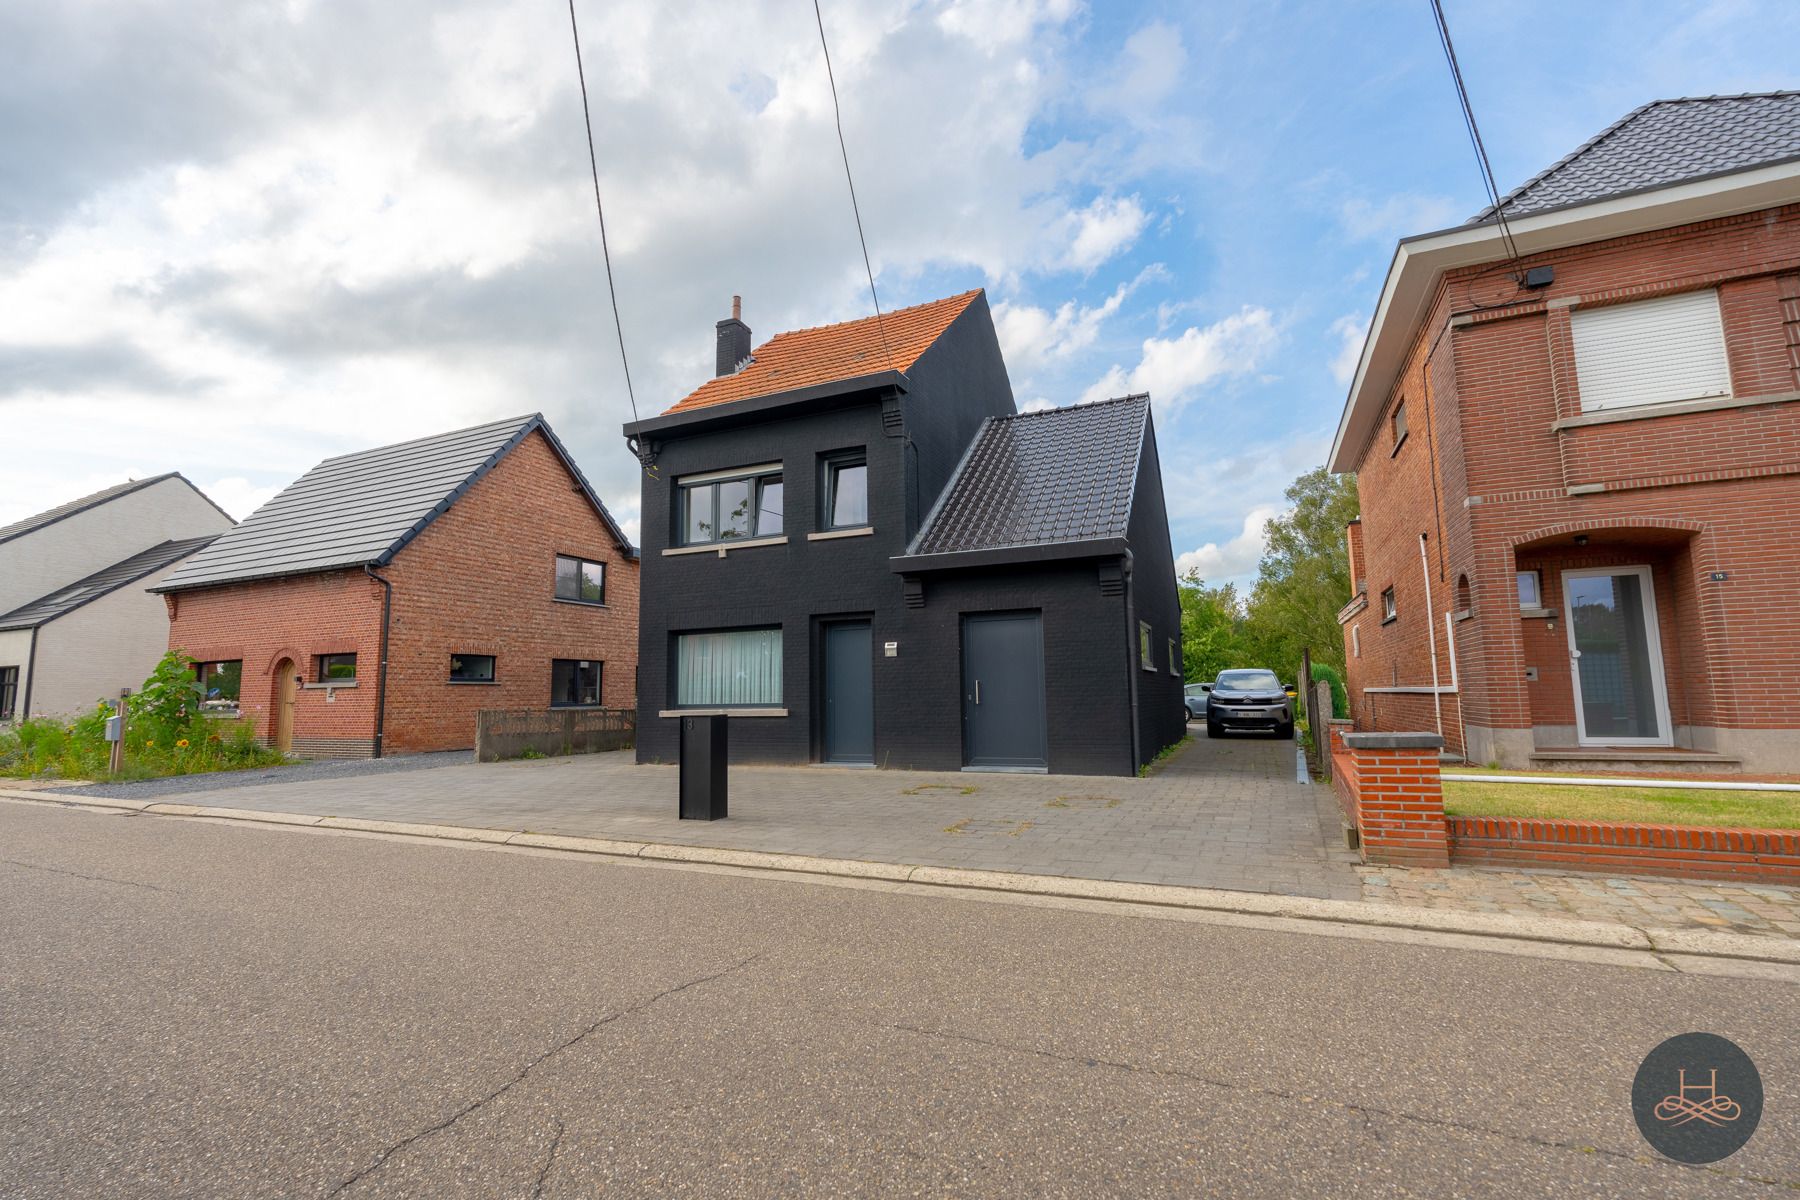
(112, 729)
(703, 752)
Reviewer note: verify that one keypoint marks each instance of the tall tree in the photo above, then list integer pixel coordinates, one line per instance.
(1212, 628)
(1305, 575)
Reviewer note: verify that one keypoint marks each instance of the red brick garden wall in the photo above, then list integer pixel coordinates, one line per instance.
(1763, 855)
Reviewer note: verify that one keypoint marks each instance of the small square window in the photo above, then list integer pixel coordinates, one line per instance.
(1146, 656)
(575, 683)
(1531, 590)
(336, 666)
(1390, 609)
(471, 668)
(580, 581)
(219, 683)
(1398, 421)
(846, 492)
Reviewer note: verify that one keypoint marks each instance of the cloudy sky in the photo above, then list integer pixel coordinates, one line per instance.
(237, 237)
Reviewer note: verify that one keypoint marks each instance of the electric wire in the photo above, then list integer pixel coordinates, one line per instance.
(1481, 155)
(856, 211)
(600, 211)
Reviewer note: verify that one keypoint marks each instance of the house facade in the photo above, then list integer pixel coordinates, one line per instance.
(76, 624)
(1577, 442)
(857, 549)
(385, 598)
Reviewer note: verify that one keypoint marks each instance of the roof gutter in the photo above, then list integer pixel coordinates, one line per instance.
(705, 416)
(1420, 262)
(381, 672)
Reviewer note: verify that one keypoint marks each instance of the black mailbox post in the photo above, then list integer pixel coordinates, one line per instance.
(703, 747)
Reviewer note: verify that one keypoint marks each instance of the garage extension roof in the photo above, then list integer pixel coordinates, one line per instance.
(1050, 484)
(65, 600)
(362, 509)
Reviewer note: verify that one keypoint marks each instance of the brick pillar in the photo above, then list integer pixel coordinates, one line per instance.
(1398, 798)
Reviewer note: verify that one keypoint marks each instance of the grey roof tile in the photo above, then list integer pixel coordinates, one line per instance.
(361, 509)
(1664, 143)
(1032, 479)
(66, 599)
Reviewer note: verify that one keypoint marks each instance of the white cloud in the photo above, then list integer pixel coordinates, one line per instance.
(1400, 215)
(1031, 336)
(1351, 331)
(237, 495)
(1237, 559)
(1104, 228)
(1173, 369)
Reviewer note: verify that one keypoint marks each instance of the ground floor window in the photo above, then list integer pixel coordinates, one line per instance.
(9, 691)
(471, 668)
(734, 668)
(219, 683)
(336, 666)
(574, 683)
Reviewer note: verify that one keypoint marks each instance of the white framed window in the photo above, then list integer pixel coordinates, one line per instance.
(1656, 351)
(1531, 589)
(737, 668)
(1390, 607)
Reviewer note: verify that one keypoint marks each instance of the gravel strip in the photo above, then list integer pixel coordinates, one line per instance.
(323, 768)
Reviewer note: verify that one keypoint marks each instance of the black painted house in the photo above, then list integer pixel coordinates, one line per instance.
(857, 547)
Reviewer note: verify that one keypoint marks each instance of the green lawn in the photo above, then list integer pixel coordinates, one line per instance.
(1658, 806)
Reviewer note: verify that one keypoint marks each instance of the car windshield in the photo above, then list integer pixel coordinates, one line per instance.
(1248, 681)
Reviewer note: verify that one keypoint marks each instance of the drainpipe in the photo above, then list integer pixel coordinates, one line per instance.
(1437, 700)
(30, 676)
(1131, 663)
(387, 608)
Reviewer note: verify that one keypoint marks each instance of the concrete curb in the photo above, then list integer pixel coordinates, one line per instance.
(1685, 942)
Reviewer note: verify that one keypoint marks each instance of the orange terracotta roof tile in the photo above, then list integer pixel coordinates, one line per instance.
(828, 353)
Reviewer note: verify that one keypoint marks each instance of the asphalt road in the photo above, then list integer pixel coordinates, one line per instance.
(192, 1009)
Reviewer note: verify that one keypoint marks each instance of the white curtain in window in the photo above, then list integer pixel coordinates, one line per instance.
(742, 667)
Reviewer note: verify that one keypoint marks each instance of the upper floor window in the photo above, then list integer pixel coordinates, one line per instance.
(846, 491)
(336, 666)
(1398, 422)
(1390, 608)
(1146, 656)
(1650, 352)
(579, 580)
(730, 505)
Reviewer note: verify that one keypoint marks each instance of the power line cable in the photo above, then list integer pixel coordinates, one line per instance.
(600, 211)
(1468, 111)
(838, 114)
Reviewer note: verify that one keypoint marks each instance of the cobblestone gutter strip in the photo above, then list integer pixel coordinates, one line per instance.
(1693, 943)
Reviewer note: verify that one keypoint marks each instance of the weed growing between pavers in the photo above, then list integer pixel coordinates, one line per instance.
(1084, 802)
(933, 789)
(971, 825)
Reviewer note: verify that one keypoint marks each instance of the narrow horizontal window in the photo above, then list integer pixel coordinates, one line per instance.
(471, 668)
(575, 683)
(738, 667)
(336, 666)
(579, 580)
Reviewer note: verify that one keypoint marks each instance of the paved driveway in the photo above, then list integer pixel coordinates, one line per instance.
(1225, 814)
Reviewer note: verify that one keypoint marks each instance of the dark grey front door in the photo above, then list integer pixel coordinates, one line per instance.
(1003, 691)
(848, 735)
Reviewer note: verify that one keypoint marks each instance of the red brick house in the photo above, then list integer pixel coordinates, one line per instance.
(478, 564)
(1580, 463)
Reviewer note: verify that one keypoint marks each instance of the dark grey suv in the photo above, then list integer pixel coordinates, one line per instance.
(1249, 699)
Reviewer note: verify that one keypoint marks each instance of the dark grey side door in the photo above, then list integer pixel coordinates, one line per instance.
(1003, 691)
(848, 680)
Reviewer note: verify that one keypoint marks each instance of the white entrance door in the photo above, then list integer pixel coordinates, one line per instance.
(1621, 697)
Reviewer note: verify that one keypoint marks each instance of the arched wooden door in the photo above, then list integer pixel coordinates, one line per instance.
(286, 685)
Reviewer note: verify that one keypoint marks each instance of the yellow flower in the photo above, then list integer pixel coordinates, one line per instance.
(182, 744)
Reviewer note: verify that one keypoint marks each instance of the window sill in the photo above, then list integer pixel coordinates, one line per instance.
(323, 684)
(473, 682)
(724, 548)
(580, 603)
(1529, 613)
(1674, 408)
(723, 712)
(1390, 620)
(576, 707)
(827, 535)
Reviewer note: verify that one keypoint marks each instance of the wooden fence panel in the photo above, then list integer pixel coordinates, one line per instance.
(502, 733)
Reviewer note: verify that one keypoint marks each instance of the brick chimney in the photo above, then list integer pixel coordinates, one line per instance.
(734, 340)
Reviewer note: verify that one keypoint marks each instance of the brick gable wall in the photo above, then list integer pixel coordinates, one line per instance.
(1510, 483)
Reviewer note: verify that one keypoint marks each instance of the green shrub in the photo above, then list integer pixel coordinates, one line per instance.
(1340, 696)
